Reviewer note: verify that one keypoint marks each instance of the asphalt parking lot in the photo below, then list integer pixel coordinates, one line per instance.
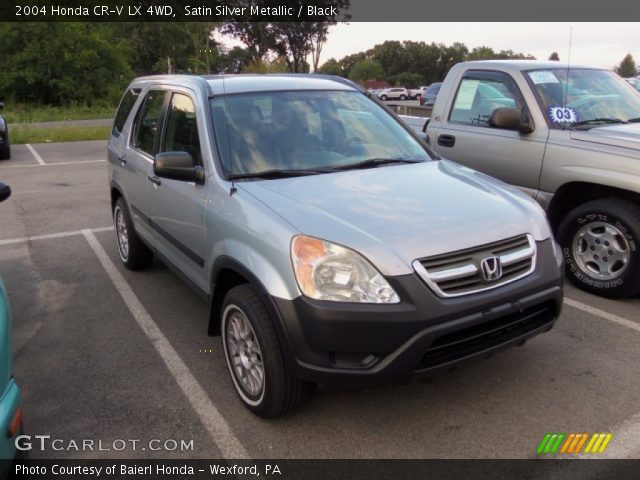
(104, 353)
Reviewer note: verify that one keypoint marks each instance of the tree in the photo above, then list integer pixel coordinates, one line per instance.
(482, 53)
(347, 63)
(235, 60)
(554, 57)
(407, 79)
(62, 62)
(330, 67)
(367, 69)
(257, 36)
(627, 67)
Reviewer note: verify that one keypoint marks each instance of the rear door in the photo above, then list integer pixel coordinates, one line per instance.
(467, 138)
(138, 159)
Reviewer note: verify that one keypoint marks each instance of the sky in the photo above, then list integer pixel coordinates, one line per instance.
(593, 44)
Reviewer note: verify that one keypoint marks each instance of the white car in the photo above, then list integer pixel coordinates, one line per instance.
(395, 93)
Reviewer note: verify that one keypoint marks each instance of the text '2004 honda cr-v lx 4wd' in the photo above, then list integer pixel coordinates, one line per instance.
(332, 244)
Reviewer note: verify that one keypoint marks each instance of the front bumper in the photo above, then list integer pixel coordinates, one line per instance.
(331, 342)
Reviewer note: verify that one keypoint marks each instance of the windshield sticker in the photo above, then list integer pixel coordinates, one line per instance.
(543, 76)
(466, 94)
(563, 115)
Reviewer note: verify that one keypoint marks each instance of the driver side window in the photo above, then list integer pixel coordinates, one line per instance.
(480, 94)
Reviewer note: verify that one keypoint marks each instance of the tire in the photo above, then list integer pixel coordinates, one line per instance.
(133, 252)
(383, 98)
(600, 242)
(403, 97)
(5, 152)
(247, 328)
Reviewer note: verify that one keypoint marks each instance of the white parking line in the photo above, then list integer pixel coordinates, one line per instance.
(602, 314)
(54, 164)
(35, 154)
(221, 434)
(11, 241)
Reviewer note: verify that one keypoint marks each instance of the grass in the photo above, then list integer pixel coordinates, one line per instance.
(27, 134)
(29, 113)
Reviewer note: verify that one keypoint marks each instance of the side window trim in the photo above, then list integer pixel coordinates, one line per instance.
(487, 74)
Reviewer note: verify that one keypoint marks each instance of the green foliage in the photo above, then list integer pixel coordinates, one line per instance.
(27, 134)
(407, 79)
(60, 63)
(627, 67)
(330, 67)
(366, 69)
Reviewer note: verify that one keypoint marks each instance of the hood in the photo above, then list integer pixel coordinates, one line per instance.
(398, 213)
(621, 135)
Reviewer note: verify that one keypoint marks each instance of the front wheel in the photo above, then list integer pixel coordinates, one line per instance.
(600, 241)
(383, 98)
(254, 356)
(403, 97)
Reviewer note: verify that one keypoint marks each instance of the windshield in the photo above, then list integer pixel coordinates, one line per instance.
(306, 130)
(589, 97)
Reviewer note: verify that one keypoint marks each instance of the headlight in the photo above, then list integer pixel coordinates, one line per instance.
(326, 271)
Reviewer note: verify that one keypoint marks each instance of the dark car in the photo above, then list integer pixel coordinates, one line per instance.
(430, 95)
(5, 148)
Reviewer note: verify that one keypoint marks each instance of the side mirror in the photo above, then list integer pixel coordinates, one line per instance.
(178, 166)
(511, 119)
(5, 192)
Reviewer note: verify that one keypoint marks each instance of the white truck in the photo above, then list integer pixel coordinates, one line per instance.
(569, 136)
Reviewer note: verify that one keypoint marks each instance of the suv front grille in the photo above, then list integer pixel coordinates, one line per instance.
(463, 272)
(463, 343)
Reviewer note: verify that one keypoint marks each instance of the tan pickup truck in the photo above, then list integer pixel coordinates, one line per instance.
(569, 137)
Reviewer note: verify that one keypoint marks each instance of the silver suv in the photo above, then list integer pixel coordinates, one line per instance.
(333, 245)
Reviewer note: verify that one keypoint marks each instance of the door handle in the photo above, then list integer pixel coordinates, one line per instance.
(153, 179)
(123, 158)
(446, 141)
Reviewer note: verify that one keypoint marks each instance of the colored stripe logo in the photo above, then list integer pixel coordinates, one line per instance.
(573, 443)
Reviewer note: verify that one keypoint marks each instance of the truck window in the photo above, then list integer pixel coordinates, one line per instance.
(479, 94)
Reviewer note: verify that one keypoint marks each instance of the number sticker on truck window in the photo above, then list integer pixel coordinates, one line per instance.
(563, 115)
(543, 76)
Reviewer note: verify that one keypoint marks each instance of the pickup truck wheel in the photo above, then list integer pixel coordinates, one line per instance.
(5, 152)
(600, 241)
(253, 354)
(133, 252)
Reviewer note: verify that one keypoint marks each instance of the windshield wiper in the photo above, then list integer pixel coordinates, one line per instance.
(597, 121)
(372, 162)
(273, 174)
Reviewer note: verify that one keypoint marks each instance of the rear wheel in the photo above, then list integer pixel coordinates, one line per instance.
(133, 252)
(254, 356)
(600, 241)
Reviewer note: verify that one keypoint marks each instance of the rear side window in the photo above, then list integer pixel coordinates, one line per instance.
(181, 132)
(148, 121)
(126, 104)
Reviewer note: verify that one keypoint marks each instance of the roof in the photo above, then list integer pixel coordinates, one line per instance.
(229, 84)
(524, 64)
